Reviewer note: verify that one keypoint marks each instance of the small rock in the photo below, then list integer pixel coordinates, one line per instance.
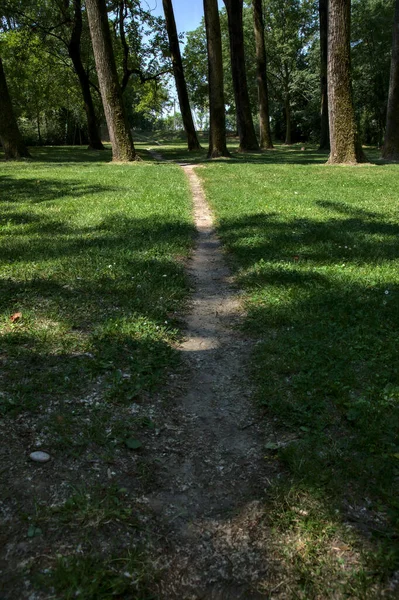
(41, 457)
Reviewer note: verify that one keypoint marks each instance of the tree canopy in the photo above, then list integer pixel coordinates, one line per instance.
(53, 83)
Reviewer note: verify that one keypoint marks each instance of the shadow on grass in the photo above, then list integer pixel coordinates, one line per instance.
(174, 148)
(353, 240)
(296, 154)
(102, 310)
(325, 296)
(44, 190)
(72, 154)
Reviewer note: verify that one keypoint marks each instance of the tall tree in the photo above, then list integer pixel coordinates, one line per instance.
(261, 66)
(246, 130)
(184, 102)
(324, 128)
(11, 139)
(74, 52)
(390, 150)
(344, 140)
(111, 93)
(217, 125)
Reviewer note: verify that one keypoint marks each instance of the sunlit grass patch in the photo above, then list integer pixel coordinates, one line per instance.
(321, 557)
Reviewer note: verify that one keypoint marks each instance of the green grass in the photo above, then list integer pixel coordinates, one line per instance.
(92, 256)
(89, 259)
(315, 249)
(92, 507)
(93, 577)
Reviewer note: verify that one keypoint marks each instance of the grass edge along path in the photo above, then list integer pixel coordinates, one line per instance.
(315, 250)
(92, 281)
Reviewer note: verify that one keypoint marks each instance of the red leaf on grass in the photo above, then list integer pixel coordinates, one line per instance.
(15, 317)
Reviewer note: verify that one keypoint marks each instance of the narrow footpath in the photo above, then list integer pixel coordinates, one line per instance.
(213, 478)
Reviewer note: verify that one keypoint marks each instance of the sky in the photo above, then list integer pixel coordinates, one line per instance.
(188, 13)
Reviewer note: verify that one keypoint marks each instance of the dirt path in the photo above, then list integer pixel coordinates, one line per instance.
(213, 473)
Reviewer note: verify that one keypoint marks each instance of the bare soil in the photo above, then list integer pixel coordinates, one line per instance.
(213, 475)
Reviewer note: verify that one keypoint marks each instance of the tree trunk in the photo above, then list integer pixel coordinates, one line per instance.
(324, 128)
(10, 136)
(261, 70)
(75, 56)
(345, 144)
(111, 94)
(390, 150)
(288, 125)
(217, 123)
(248, 140)
(184, 102)
(39, 132)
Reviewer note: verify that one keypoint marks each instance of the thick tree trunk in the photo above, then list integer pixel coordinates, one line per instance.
(248, 140)
(390, 150)
(111, 94)
(11, 139)
(324, 127)
(261, 70)
(345, 145)
(75, 56)
(181, 86)
(217, 125)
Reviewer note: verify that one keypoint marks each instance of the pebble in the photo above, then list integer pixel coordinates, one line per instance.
(41, 457)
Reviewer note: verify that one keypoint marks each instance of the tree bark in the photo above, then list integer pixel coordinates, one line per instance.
(288, 121)
(344, 140)
(261, 71)
(324, 127)
(390, 150)
(246, 130)
(75, 56)
(13, 145)
(181, 86)
(111, 94)
(217, 124)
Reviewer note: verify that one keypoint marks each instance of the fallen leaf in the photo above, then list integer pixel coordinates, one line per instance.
(33, 531)
(15, 317)
(133, 444)
(272, 446)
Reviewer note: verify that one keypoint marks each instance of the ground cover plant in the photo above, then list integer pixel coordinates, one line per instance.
(315, 250)
(92, 275)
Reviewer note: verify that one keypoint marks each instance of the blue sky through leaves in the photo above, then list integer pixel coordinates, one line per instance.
(188, 13)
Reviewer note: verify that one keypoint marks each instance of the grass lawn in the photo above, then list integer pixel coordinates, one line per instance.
(91, 276)
(315, 250)
(92, 282)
